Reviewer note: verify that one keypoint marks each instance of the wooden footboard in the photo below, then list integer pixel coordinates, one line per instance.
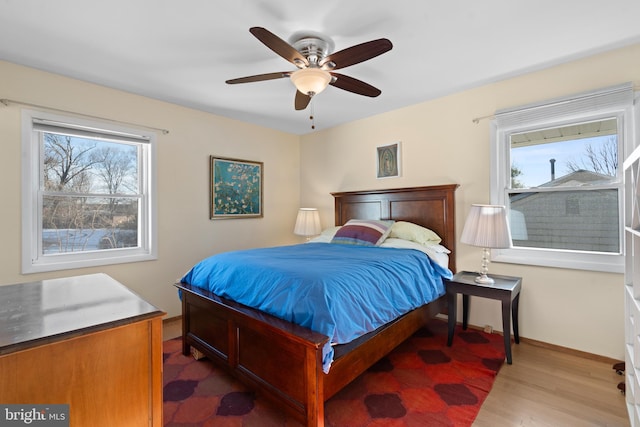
(283, 361)
(278, 359)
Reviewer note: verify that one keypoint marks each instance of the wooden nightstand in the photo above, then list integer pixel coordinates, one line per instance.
(505, 289)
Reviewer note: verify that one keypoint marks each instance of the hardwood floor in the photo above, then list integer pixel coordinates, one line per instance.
(547, 387)
(543, 387)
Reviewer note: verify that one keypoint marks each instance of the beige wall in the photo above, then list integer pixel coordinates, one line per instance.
(185, 233)
(441, 144)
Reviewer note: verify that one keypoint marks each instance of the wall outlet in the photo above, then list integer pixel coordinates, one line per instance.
(488, 329)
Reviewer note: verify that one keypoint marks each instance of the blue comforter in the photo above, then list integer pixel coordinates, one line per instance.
(342, 291)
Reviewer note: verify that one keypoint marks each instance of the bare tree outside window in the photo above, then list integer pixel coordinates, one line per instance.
(90, 190)
(602, 159)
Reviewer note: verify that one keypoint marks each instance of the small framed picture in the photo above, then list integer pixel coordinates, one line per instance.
(236, 188)
(388, 160)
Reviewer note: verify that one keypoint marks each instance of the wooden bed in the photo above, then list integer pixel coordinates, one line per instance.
(283, 361)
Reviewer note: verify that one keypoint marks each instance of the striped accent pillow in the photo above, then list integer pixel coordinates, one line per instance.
(363, 232)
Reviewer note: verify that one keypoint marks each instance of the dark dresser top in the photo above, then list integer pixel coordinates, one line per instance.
(46, 311)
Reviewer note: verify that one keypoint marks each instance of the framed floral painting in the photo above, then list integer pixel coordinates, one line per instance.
(236, 188)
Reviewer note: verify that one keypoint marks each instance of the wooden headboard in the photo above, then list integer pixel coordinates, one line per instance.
(432, 207)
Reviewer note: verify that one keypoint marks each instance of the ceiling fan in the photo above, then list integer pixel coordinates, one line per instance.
(313, 55)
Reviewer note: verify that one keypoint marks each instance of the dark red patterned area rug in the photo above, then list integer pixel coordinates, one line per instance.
(421, 383)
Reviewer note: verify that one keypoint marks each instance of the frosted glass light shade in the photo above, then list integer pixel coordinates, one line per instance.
(487, 227)
(310, 81)
(307, 222)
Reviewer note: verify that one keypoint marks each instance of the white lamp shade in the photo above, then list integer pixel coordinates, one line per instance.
(310, 80)
(487, 227)
(307, 222)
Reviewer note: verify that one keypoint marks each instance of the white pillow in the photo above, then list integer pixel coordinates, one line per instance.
(321, 239)
(435, 251)
(394, 242)
(331, 231)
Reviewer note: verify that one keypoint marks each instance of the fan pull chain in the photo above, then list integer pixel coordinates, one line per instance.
(313, 121)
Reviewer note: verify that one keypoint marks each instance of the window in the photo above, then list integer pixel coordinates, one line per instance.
(88, 193)
(556, 169)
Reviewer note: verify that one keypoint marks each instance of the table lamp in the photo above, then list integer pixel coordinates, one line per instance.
(307, 223)
(486, 227)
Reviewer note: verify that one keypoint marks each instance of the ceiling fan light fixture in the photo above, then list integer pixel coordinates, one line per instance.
(311, 81)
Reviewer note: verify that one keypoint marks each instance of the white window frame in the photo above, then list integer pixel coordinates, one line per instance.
(606, 103)
(33, 260)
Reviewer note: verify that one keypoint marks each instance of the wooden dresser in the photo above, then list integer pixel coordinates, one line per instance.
(86, 341)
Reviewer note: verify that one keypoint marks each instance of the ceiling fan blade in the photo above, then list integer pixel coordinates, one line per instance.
(302, 100)
(354, 85)
(356, 54)
(279, 46)
(259, 77)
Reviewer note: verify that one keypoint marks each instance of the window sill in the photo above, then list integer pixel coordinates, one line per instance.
(609, 263)
(41, 267)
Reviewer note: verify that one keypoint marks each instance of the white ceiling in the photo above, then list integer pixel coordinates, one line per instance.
(183, 51)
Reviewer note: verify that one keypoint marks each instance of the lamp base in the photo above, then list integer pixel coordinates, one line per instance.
(484, 279)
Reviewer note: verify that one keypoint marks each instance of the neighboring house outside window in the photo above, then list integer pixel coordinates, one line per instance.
(555, 220)
(555, 168)
(88, 193)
